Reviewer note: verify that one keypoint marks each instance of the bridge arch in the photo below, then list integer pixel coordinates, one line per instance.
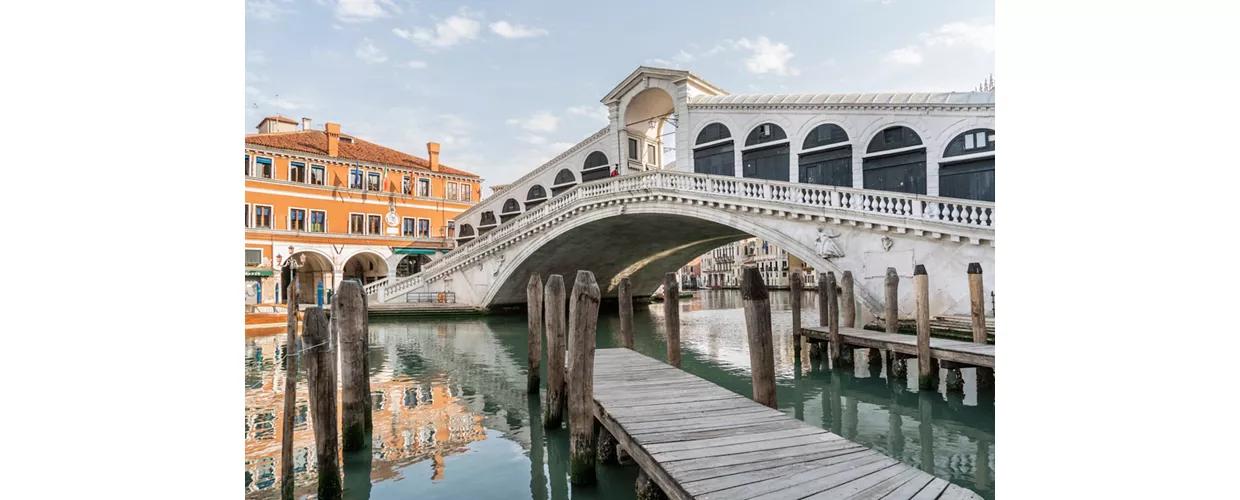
(830, 159)
(317, 268)
(718, 156)
(766, 152)
(967, 167)
(644, 116)
(895, 160)
(365, 266)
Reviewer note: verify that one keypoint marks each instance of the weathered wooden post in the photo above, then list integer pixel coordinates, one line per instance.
(321, 381)
(824, 311)
(290, 397)
(647, 489)
(554, 299)
(538, 478)
(607, 446)
(927, 368)
(582, 321)
(794, 287)
(896, 367)
(836, 348)
(626, 312)
(848, 303)
(925, 428)
(977, 309)
(758, 324)
(353, 374)
(370, 427)
(671, 315)
(534, 322)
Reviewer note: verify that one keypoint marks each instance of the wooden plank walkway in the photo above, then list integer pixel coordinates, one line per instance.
(698, 440)
(966, 353)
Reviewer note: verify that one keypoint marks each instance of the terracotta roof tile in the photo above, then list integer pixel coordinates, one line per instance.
(315, 142)
(284, 119)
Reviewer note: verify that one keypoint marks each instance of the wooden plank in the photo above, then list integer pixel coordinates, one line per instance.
(722, 442)
(854, 487)
(665, 415)
(663, 437)
(931, 491)
(720, 483)
(820, 484)
(714, 451)
(803, 452)
(888, 485)
(774, 466)
(804, 483)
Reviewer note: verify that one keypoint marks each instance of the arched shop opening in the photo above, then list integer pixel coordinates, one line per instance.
(510, 210)
(766, 153)
(595, 167)
(968, 167)
(465, 234)
(366, 267)
(534, 196)
(826, 157)
(895, 160)
(564, 180)
(486, 222)
(714, 151)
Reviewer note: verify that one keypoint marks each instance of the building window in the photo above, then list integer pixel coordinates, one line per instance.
(976, 140)
(253, 257)
(264, 168)
(372, 181)
(247, 165)
(650, 157)
(424, 188)
(374, 224)
(424, 228)
(318, 175)
(405, 186)
(357, 224)
(297, 171)
(633, 150)
(262, 216)
(355, 179)
(451, 229)
(467, 192)
(450, 191)
(318, 221)
(297, 219)
(406, 226)
(247, 215)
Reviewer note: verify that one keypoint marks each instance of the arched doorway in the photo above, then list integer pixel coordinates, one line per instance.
(714, 151)
(312, 269)
(968, 167)
(826, 157)
(766, 153)
(649, 126)
(895, 162)
(365, 267)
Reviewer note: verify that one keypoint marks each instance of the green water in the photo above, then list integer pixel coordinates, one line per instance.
(452, 419)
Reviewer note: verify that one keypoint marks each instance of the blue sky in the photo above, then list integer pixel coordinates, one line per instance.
(505, 86)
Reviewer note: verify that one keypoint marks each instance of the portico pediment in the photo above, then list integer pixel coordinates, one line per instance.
(674, 76)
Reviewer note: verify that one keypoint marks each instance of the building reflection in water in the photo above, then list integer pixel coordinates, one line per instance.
(414, 420)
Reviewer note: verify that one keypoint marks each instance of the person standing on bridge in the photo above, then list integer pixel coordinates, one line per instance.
(615, 172)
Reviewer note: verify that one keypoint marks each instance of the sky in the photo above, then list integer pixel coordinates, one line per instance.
(504, 86)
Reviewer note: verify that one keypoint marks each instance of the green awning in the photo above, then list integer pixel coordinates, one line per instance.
(414, 251)
(258, 272)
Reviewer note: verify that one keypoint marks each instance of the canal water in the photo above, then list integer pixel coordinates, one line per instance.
(452, 420)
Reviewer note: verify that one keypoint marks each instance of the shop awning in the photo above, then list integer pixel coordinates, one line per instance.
(259, 272)
(414, 251)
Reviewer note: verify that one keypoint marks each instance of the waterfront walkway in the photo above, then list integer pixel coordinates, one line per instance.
(956, 351)
(698, 440)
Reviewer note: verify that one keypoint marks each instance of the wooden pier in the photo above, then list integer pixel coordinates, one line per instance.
(954, 351)
(695, 439)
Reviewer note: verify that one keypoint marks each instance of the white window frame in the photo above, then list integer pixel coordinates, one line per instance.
(350, 229)
(415, 227)
(467, 192)
(310, 221)
(361, 179)
(450, 229)
(366, 178)
(310, 176)
(257, 167)
(249, 165)
(418, 187)
(406, 180)
(304, 166)
(261, 255)
(429, 227)
(450, 191)
(288, 223)
(368, 216)
(651, 152)
(254, 215)
(249, 215)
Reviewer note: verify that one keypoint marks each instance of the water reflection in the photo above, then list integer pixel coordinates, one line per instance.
(452, 419)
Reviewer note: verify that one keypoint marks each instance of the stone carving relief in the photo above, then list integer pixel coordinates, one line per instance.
(827, 248)
(886, 243)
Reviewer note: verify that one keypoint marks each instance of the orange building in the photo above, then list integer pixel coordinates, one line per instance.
(338, 207)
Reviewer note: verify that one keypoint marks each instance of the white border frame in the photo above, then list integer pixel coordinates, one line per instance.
(349, 230)
(380, 216)
(290, 172)
(415, 227)
(261, 254)
(254, 215)
(288, 221)
(310, 221)
(256, 167)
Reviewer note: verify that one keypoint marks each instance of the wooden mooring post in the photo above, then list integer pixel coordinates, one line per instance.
(977, 309)
(794, 287)
(370, 425)
(534, 322)
(815, 348)
(896, 366)
(836, 350)
(758, 324)
(927, 367)
(554, 300)
(351, 315)
(290, 397)
(625, 291)
(321, 381)
(582, 321)
(671, 316)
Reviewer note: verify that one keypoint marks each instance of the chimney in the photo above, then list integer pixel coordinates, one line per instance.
(432, 150)
(305, 124)
(333, 139)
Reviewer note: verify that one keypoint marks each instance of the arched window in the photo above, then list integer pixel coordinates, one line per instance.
(564, 179)
(534, 196)
(716, 159)
(972, 178)
(465, 233)
(511, 209)
(765, 162)
(595, 167)
(903, 171)
(486, 222)
(830, 166)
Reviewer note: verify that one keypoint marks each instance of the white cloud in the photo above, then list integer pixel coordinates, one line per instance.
(508, 30)
(541, 121)
(533, 139)
(682, 57)
(416, 64)
(265, 10)
(767, 57)
(254, 78)
(360, 11)
(367, 51)
(449, 32)
(980, 36)
(662, 62)
(596, 112)
(909, 56)
(255, 57)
